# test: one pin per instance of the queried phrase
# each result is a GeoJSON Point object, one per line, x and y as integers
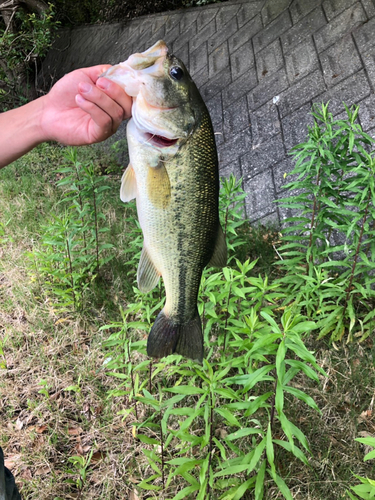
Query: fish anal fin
{"type": "Point", "coordinates": [168, 337]}
{"type": "Point", "coordinates": [219, 257]}
{"type": "Point", "coordinates": [128, 190]}
{"type": "Point", "coordinates": [147, 274]}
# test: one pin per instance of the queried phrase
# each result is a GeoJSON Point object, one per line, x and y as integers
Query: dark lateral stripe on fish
{"type": "Point", "coordinates": [167, 337]}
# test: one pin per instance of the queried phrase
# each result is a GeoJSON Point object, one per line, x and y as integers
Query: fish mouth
{"type": "Point", "coordinates": [159, 140]}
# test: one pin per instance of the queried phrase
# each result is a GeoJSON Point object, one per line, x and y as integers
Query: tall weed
{"type": "Point", "coordinates": [328, 250]}
{"type": "Point", "coordinates": [218, 430]}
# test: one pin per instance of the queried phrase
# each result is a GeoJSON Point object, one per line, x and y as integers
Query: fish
{"type": "Point", "coordinates": [173, 176]}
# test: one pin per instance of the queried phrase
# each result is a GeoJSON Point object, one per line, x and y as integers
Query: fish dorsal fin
{"type": "Point", "coordinates": [128, 189]}
{"type": "Point", "coordinates": [147, 274]}
{"type": "Point", "coordinates": [219, 257]}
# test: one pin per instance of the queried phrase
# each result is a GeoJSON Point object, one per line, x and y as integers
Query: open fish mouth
{"type": "Point", "coordinates": [159, 140]}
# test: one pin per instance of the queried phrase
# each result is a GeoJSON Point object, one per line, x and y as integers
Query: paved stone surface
{"type": "Point", "coordinates": [260, 65]}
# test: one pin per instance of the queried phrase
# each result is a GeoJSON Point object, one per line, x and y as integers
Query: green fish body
{"type": "Point", "coordinates": [173, 174]}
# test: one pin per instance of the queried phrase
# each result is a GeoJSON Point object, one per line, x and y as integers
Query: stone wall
{"type": "Point", "coordinates": [259, 66]}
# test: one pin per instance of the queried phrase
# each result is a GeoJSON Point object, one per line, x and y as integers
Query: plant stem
{"type": "Point", "coordinates": [313, 215]}
{"type": "Point", "coordinates": [162, 451]}
{"type": "Point", "coordinates": [70, 268]}
{"type": "Point", "coordinates": [210, 445]}
{"type": "Point", "coordinates": [96, 231]}
{"type": "Point", "coordinates": [356, 255]}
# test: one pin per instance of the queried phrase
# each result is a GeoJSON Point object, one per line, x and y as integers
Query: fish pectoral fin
{"type": "Point", "coordinates": [128, 189]}
{"type": "Point", "coordinates": [147, 274]}
{"type": "Point", "coordinates": [219, 257]}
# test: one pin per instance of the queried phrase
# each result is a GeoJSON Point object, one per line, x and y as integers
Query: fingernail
{"type": "Point", "coordinates": [85, 87]}
{"type": "Point", "coordinates": [103, 83]}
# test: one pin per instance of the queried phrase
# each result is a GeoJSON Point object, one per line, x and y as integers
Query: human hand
{"type": "Point", "coordinates": [82, 108]}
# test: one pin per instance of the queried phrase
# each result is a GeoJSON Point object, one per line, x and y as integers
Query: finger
{"type": "Point", "coordinates": [116, 93]}
{"type": "Point", "coordinates": [104, 102]}
{"type": "Point", "coordinates": [102, 123]}
{"type": "Point", "coordinates": [94, 72]}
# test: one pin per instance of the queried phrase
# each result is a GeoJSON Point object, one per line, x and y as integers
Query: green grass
{"type": "Point", "coordinates": [55, 384]}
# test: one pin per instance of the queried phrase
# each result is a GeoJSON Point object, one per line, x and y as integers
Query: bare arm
{"type": "Point", "coordinates": [80, 109]}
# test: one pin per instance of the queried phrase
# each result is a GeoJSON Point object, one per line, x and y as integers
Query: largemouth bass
{"type": "Point", "coordinates": [173, 175]}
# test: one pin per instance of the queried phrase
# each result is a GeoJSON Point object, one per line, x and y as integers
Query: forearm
{"type": "Point", "coordinates": [20, 131]}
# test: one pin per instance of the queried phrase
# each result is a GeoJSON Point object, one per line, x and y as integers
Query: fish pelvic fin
{"type": "Point", "coordinates": [147, 274]}
{"type": "Point", "coordinates": [128, 190]}
{"type": "Point", "coordinates": [219, 257]}
{"type": "Point", "coordinates": [167, 337]}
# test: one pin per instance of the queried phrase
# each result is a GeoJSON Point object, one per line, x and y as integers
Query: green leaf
{"type": "Point", "coordinates": [256, 455]}
{"type": "Point", "coordinates": [302, 396]}
{"type": "Point", "coordinates": [259, 484]}
{"type": "Point", "coordinates": [228, 415]}
{"type": "Point", "coordinates": [242, 433]}
{"type": "Point", "coordinates": [269, 448]}
{"type": "Point", "coordinates": [281, 484]}
{"type": "Point", "coordinates": [186, 492]}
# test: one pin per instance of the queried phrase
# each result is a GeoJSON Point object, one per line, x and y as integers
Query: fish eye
{"type": "Point", "coordinates": [176, 73]}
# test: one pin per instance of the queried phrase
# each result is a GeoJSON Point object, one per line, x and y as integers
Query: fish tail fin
{"type": "Point", "coordinates": [167, 337]}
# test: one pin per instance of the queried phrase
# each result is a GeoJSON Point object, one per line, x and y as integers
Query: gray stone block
{"type": "Point", "coordinates": [239, 87]}
{"type": "Point", "coordinates": [334, 7]}
{"type": "Point", "coordinates": [183, 54]}
{"type": "Point", "coordinates": [369, 6]}
{"type": "Point", "coordinates": [236, 147]}
{"type": "Point", "coordinates": [303, 29]}
{"type": "Point", "coordinates": [226, 14]}
{"type": "Point", "coordinates": [200, 80]}
{"type": "Point", "coordinates": [172, 35]}
{"type": "Point", "coordinates": [270, 87]}
{"type": "Point", "coordinates": [272, 31]}
{"type": "Point", "coordinates": [158, 23]}
{"type": "Point", "coordinates": [198, 59]}
{"type": "Point", "coordinates": [173, 20]}
{"type": "Point", "coordinates": [367, 113]}
{"type": "Point", "coordinates": [270, 220]}
{"type": "Point", "coordinates": [188, 19]}
{"type": "Point", "coordinates": [272, 10]}
{"type": "Point", "coordinates": [236, 118]}
{"type": "Point", "coordinates": [301, 8]}
{"type": "Point", "coordinates": [218, 132]}
{"type": "Point", "coordinates": [203, 35]}
{"type": "Point", "coordinates": [340, 61]}
{"type": "Point", "coordinates": [265, 123]}
{"type": "Point", "coordinates": [364, 36]}
{"type": "Point", "coordinates": [350, 91]}
{"type": "Point", "coordinates": [241, 60]}
{"type": "Point", "coordinates": [218, 60]}
{"type": "Point", "coordinates": [215, 108]}
{"type": "Point", "coordinates": [262, 156]}
{"type": "Point", "coordinates": [216, 84]}
{"type": "Point", "coordinates": [340, 26]}
{"type": "Point", "coordinates": [184, 38]}
{"type": "Point", "coordinates": [222, 34]}
{"type": "Point", "coordinates": [233, 167]}
{"type": "Point", "coordinates": [300, 93]}
{"type": "Point", "coordinates": [281, 175]}
{"type": "Point", "coordinates": [260, 195]}
{"type": "Point", "coordinates": [269, 60]}
{"type": "Point", "coordinates": [301, 60]}
{"type": "Point", "coordinates": [295, 126]}
{"type": "Point", "coordinates": [249, 10]}
{"type": "Point", "coordinates": [244, 34]}
{"type": "Point", "coordinates": [205, 17]}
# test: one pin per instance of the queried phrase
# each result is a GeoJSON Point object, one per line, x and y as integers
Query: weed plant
{"type": "Point", "coordinates": [239, 426]}
{"type": "Point", "coordinates": [218, 430]}
{"type": "Point", "coordinates": [74, 249]}
{"type": "Point", "coordinates": [328, 250]}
